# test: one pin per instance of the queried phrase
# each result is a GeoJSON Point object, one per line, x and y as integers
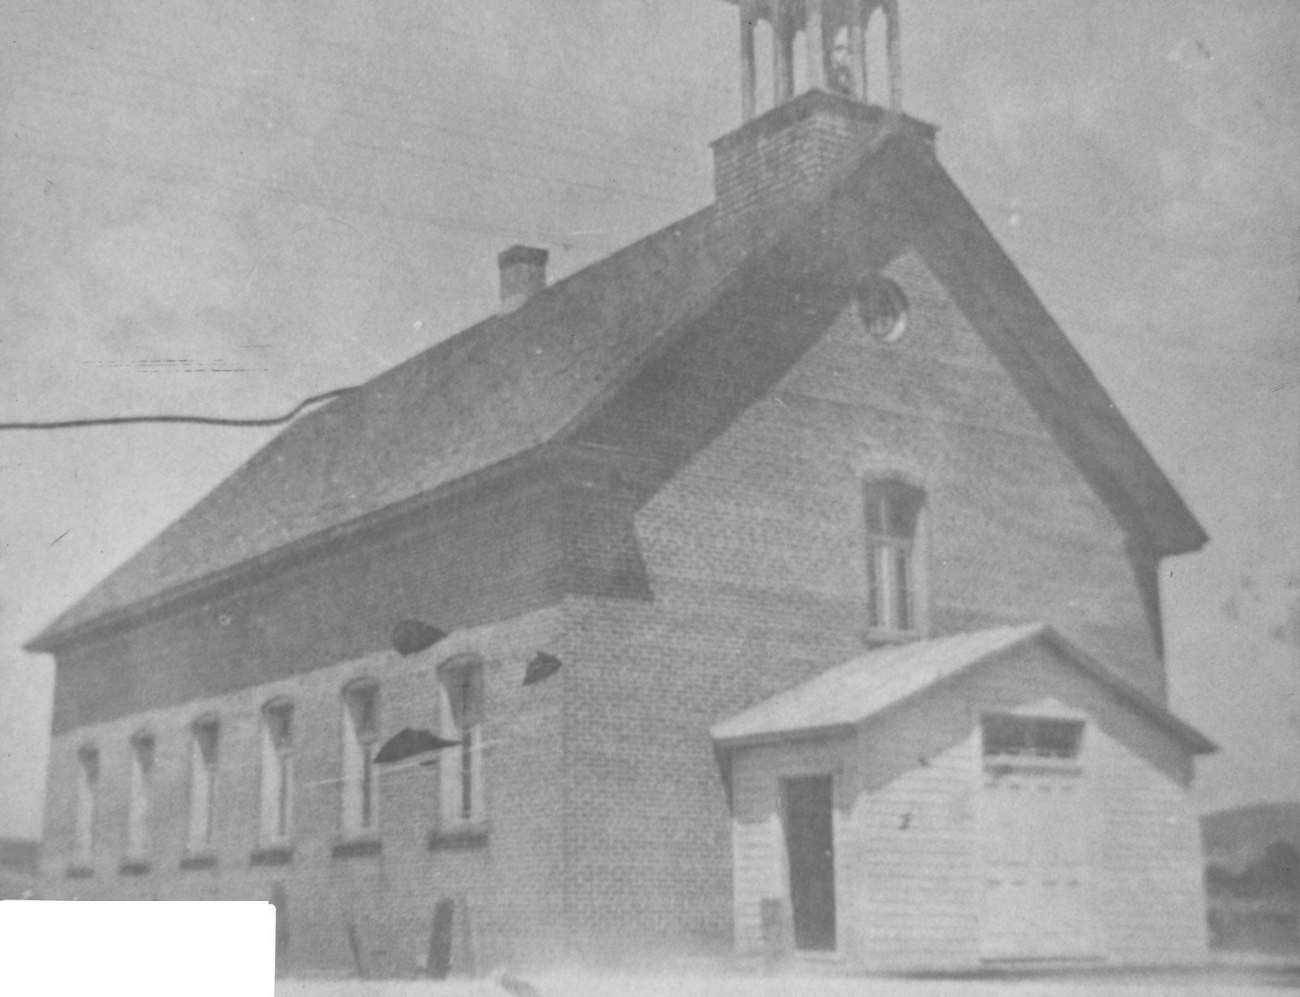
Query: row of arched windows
{"type": "Point", "coordinates": [460, 714]}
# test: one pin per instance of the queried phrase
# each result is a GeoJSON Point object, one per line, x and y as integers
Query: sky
{"type": "Point", "coordinates": [221, 208]}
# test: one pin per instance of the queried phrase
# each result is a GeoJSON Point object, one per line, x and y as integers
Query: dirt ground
{"type": "Point", "coordinates": [1238, 978]}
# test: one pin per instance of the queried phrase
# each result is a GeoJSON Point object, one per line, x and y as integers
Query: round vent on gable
{"type": "Point", "coordinates": [882, 307]}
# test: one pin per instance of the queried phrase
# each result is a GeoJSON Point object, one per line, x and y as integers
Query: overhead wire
{"type": "Point", "coordinates": [362, 208]}
{"type": "Point", "coordinates": [504, 138]}
{"type": "Point", "coordinates": [568, 125]}
{"type": "Point", "coordinates": [201, 420]}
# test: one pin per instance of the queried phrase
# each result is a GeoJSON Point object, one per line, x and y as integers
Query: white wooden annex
{"type": "Point", "coordinates": [989, 797]}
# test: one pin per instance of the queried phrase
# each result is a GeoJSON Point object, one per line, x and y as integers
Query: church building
{"type": "Point", "coordinates": [784, 584]}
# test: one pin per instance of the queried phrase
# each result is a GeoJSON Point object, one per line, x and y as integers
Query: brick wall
{"type": "Point", "coordinates": [513, 883]}
{"type": "Point", "coordinates": [476, 557]}
{"type": "Point", "coordinates": [780, 156]}
{"type": "Point", "coordinates": [696, 589]}
{"type": "Point", "coordinates": [754, 553]}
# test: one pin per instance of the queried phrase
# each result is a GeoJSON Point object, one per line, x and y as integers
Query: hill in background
{"type": "Point", "coordinates": [1252, 857]}
{"type": "Point", "coordinates": [1237, 838]}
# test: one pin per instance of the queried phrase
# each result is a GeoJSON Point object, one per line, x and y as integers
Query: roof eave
{"type": "Point", "coordinates": [857, 721]}
{"type": "Point", "coordinates": [731, 742]}
{"type": "Point", "coordinates": [1154, 511]}
{"type": "Point", "coordinates": [55, 638]}
{"type": "Point", "coordinates": [1191, 738]}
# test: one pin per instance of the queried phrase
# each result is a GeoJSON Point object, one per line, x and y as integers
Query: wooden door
{"type": "Point", "coordinates": [1036, 904]}
{"type": "Point", "coordinates": [810, 850]}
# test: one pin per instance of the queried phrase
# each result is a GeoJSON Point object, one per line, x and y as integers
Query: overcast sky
{"type": "Point", "coordinates": [223, 206]}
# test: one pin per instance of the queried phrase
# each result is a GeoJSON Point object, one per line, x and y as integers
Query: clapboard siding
{"type": "Point", "coordinates": [909, 792]}
{"type": "Point", "coordinates": [1144, 858]}
{"type": "Point", "coordinates": [916, 883]}
{"type": "Point", "coordinates": [759, 874]}
{"type": "Point", "coordinates": [758, 836]}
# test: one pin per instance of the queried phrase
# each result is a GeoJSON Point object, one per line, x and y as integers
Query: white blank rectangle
{"type": "Point", "coordinates": [144, 948]}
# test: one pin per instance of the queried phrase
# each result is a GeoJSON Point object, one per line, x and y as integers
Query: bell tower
{"type": "Point", "coordinates": [833, 35]}
{"type": "Point", "coordinates": [830, 101]}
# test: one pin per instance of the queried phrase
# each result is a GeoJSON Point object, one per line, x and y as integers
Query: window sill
{"type": "Point", "coordinates": [458, 838]}
{"type": "Point", "coordinates": [78, 872]}
{"type": "Point", "coordinates": [203, 861]}
{"type": "Point", "coordinates": [134, 867]}
{"type": "Point", "coordinates": [999, 765]}
{"type": "Point", "coordinates": [357, 848]}
{"type": "Point", "coordinates": [889, 638]}
{"type": "Point", "coordinates": [818, 955]}
{"type": "Point", "coordinates": [272, 855]}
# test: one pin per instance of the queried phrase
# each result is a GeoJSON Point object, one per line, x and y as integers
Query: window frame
{"type": "Point", "coordinates": [144, 747]}
{"type": "Point", "coordinates": [205, 748]}
{"type": "Point", "coordinates": [462, 694]}
{"type": "Point", "coordinates": [359, 790]}
{"type": "Point", "coordinates": [87, 803]}
{"type": "Point", "coordinates": [893, 519]}
{"type": "Point", "coordinates": [1034, 735]}
{"type": "Point", "coordinates": [277, 718]}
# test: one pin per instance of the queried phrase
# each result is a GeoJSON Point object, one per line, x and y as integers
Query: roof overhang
{"type": "Point", "coordinates": [653, 292]}
{"type": "Point", "coordinates": [838, 702]}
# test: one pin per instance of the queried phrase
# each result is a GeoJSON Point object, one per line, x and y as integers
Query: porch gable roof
{"type": "Point", "coordinates": [864, 687]}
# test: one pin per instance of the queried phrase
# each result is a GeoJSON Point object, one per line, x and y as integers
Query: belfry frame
{"type": "Point", "coordinates": [822, 22]}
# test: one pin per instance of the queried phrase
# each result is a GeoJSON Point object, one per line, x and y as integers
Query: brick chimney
{"type": "Point", "coordinates": [523, 274]}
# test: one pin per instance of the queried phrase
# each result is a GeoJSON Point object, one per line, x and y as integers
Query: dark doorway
{"type": "Point", "coordinates": [810, 845]}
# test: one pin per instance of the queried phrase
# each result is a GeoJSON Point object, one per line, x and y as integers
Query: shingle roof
{"type": "Point", "coordinates": [858, 690]}
{"type": "Point", "coordinates": [506, 386]}
{"type": "Point", "coordinates": [489, 393]}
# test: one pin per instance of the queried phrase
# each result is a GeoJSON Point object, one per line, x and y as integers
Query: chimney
{"type": "Point", "coordinates": [523, 274]}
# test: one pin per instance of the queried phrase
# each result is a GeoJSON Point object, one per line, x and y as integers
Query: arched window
{"type": "Point", "coordinates": [204, 734]}
{"type": "Point", "coordinates": [87, 798]}
{"type": "Point", "coordinates": [137, 826]}
{"type": "Point", "coordinates": [460, 682]}
{"type": "Point", "coordinates": [277, 772]}
{"type": "Point", "coordinates": [893, 510]}
{"type": "Point", "coordinates": [360, 740]}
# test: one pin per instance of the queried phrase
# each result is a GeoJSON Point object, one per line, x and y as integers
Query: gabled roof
{"type": "Point", "coordinates": [492, 392]}
{"type": "Point", "coordinates": [502, 389]}
{"type": "Point", "coordinates": [843, 697]}
{"type": "Point", "coordinates": [1056, 381]}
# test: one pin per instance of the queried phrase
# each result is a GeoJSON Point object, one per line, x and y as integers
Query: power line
{"type": "Point", "coordinates": [201, 420]}
{"type": "Point", "coordinates": [443, 129]}
{"type": "Point", "coordinates": [285, 194]}
{"type": "Point", "coordinates": [690, 86]}
{"type": "Point", "coordinates": [375, 92]}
